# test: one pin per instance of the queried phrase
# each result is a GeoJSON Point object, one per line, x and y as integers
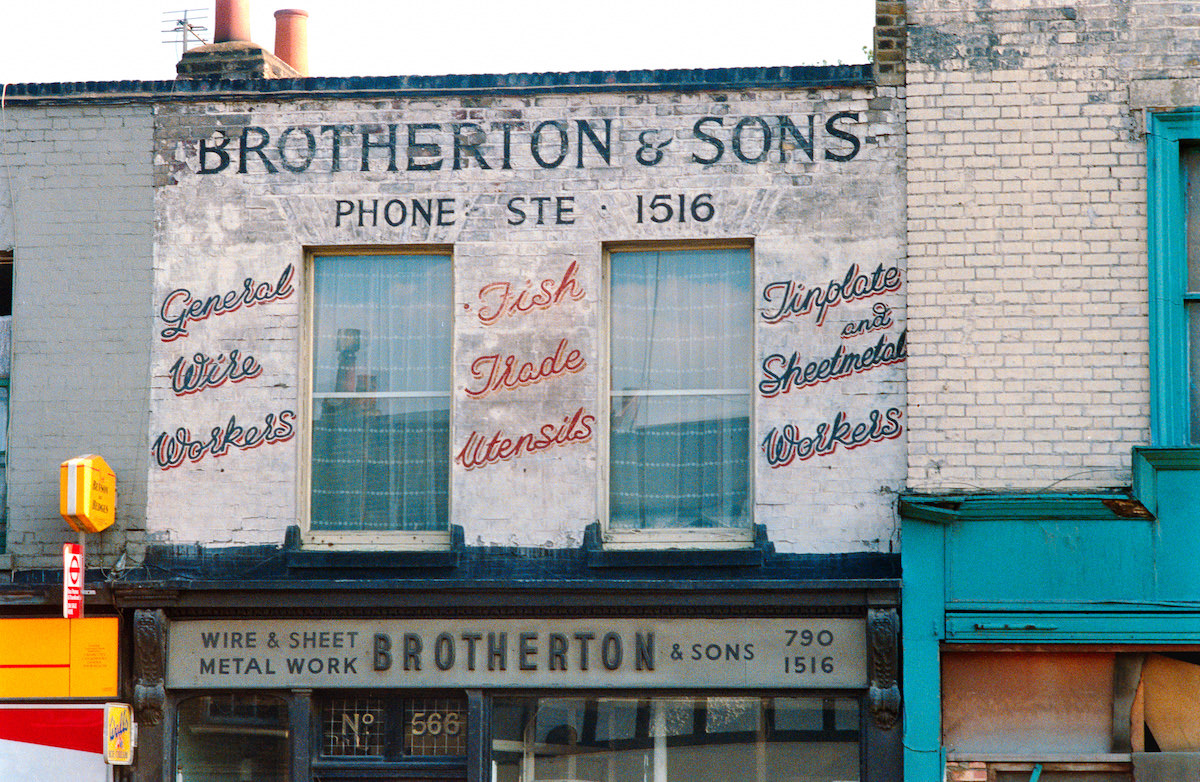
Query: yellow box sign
{"type": "Point", "coordinates": [118, 734]}
{"type": "Point", "coordinates": [87, 493]}
{"type": "Point", "coordinates": [58, 658]}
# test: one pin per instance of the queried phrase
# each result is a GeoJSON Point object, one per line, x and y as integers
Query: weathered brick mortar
{"type": "Point", "coordinates": [1027, 239]}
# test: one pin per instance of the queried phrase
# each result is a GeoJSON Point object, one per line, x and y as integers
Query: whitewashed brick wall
{"type": "Point", "coordinates": [1027, 238]}
{"type": "Point", "coordinates": [76, 208]}
{"type": "Point", "coordinates": [809, 221]}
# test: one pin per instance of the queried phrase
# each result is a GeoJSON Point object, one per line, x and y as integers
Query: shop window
{"type": "Point", "coordinates": [392, 728]}
{"type": "Point", "coordinates": [680, 348]}
{"type": "Point", "coordinates": [381, 353]}
{"type": "Point", "coordinates": [680, 739]}
{"type": "Point", "coordinates": [1174, 247]}
{"type": "Point", "coordinates": [242, 737]}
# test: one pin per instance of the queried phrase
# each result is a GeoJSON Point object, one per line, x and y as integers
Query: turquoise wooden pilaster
{"type": "Point", "coordinates": [923, 599]}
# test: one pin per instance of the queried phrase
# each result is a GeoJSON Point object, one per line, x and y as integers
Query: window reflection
{"type": "Point", "coordinates": [232, 738]}
{"type": "Point", "coordinates": [675, 739]}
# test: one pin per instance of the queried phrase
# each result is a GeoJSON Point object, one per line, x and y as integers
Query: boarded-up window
{"type": "Point", "coordinates": [1007, 703]}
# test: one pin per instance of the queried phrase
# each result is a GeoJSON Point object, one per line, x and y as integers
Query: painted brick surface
{"type": "Point", "coordinates": [809, 221]}
{"type": "Point", "coordinates": [1027, 238]}
{"type": "Point", "coordinates": [76, 207]}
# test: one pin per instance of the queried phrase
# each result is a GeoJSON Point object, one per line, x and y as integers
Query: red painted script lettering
{"type": "Point", "coordinates": [481, 450]}
{"type": "Point", "coordinates": [503, 372]}
{"type": "Point", "coordinates": [501, 298]}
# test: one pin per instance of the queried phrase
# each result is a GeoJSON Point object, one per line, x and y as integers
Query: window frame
{"type": "Point", "coordinates": [675, 538]}
{"type": "Point", "coordinates": [1170, 404]}
{"type": "Point", "coordinates": [366, 539]}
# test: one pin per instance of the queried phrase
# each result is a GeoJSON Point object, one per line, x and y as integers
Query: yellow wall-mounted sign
{"type": "Point", "coordinates": [118, 734]}
{"type": "Point", "coordinates": [58, 658]}
{"type": "Point", "coordinates": [87, 493]}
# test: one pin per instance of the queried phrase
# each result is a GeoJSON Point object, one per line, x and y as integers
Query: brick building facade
{"type": "Point", "coordinates": [526, 426]}
{"type": "Point", "coordinates": [427, 376]}
{"type": "Point", "coordinates": [1049, 601]}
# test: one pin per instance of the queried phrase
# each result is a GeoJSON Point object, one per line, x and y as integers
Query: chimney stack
{"type": "Point", "coordinates": [232, 21]}
{"type": "Point", "coordinates": [291, 38]}
{"type": "Point", "coordinates": [232, 55]}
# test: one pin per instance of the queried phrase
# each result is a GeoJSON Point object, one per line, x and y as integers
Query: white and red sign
{"type": "Point", "coordinates": [41, 741]}
{"type": "Point", "coordinates": [72, 580]}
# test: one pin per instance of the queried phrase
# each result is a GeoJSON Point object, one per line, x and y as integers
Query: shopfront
{"type": "Point", "coordinates": [692, 682]}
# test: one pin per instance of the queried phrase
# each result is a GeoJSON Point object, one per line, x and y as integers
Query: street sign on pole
{"type": "Point", "coordinates": [72, 581]}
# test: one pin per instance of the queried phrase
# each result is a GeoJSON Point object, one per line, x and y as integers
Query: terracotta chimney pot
{"type": "Point", "coordinates": [291, 38]}
{"type": "Point", "coordinates": [232, 21]}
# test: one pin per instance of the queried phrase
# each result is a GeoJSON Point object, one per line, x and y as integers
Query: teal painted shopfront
{"type": "Point", "coordinates": [1056, 636]}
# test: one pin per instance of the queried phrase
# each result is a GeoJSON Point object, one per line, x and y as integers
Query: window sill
{"type": "Point", "coordinates": [676, 550]}
{"type": "Point", "coordinates": [375, 551]}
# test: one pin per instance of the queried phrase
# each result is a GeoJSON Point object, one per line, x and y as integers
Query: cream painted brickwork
{"type": "Point", "coordinates": [809, 221]}
{"type": "Point", "coordinates": [76, 208]}
{"type": "Point", "coordinates": [1027, 238]}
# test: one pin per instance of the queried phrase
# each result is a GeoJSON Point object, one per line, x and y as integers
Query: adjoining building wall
{"type": "Point", "coordinates": [1027, 238]}
{"type": "Point", "coordinates": [1049, 300]}
{"type": "Point", "coordinates": [76, 198]}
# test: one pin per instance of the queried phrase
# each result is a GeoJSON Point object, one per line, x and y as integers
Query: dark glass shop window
{"type": "Point", "coordinates": [675, 739]}
{"type": "Point", "coordinates": [234, 737]}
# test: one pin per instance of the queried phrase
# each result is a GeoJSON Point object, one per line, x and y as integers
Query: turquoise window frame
{"type": "Point", "coordinates": [1170, 405]}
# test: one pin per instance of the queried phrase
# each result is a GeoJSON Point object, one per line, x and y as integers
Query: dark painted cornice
{"type": "Point", "coordinates": [482, 85]}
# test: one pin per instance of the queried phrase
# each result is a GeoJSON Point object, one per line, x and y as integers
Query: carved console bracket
{"type": "Point", "coordinates": [883, 697]}
{"type": "Point", "coordinates": [150, 655]}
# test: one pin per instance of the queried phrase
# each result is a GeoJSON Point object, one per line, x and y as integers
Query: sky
{"type": "Point", "coordinates": [110, 40]}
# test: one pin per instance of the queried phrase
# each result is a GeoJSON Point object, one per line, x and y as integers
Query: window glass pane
{"type": "Point", "coordinates": [681, 319]}
{"type": "Point", "coordinates": [435, 727]}
{"type": "Point", "coordinates": [394, 728]}
{"type": "Point", "coordinates": [670, 740]}
{"type": "Point", "coordinates": [679, 462]}
{"type": "Point", "coordinates": [1189, 155]}
{"type": "Point", "coordinates": [381, 386]}
{"type": "Point", "coordinates": [681, 342]}
{"type": "Point", "coordinates": [232, 738]}
{"type": "Point", "coordinates": [353, 727]}
{"type": "Point", "coordinates": [1194, 369]}
{"type": "Point", "coordinates": [1189, 158]}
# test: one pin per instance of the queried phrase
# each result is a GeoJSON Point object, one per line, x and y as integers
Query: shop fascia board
{"type": "Point", "coordinates": [503, 597]}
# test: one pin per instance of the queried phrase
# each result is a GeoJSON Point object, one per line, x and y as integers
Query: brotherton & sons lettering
{"type": "Point", "coordinates": [549, 144]}
{"type": "Point", "coordinates": [746, 652]}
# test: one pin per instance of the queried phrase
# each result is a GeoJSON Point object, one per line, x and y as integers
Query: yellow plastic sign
{"type": "Point", "coordinates": [118, 734]}
{"type": "Point", "coordinates": [87, 493]}
{"type": "Point", "coordinates": [59, 658]}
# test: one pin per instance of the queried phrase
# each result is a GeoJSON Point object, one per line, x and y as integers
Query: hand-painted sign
{"type": "Point", "coordinates": [736, 652]}
{"type": "Point", "coordinates": [550, 144]}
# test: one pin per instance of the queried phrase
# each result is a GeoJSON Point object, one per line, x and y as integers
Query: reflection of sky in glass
{"type": "Point", "coordinates": [1194, 382]}
{"type": "Point", "coordinates": [384, 320]}
{"type": "Point", "coordinates": [683, 739]}
{"type": "Point", "coordinates": [733, 715]}
{"type": "Point", "coordinates": [1190, 156]}
{"type": "Point", "coordinates": [681, 319]}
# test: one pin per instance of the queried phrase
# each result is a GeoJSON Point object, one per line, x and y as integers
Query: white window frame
{"type": "Point", "coordinates": [679, 538]}
{"type": "Point", "coordinates": [366, 540]}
